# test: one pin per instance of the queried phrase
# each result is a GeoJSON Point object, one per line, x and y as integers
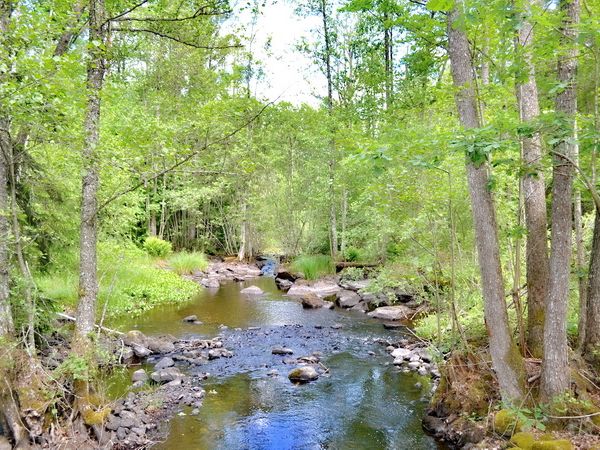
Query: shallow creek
{"type": "Point", "coordinates": [363, 402]}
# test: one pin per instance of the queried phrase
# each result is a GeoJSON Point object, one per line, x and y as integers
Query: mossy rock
{"type": "Point", "coordinates": [561, 444]}
{"type": "Point", "coordinates": [95, 417]}
{"type": "Point", "coordinates": [506, 422]}
{"type": "Point", "coordinates": [523, 440]}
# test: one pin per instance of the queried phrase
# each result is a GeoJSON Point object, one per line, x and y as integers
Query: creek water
{"type": "Point", "coordinates": [363, 402]}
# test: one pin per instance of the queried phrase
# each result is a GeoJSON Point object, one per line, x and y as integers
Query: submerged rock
{"type": "Point", "coordinates": [311, 301]}
{"type": "Point", "coordinates": [252, 290]}
{"type": "Point", "coordinates": [283, 285]}
{"type": "Point", "coordinates": [192, 318]}
{"type": "Point", "coordinates": [303, 374]}
{"type": "Point", "coordinates": [210, 283]}
{"type": "Point", "coordinates": [398, 312]}
{"type": "Point", "coordinates": [216, 353]}
{"type": "Point", "coordinates": [282, 351]}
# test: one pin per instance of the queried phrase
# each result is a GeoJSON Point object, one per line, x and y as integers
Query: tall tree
{"type": "Point", "coordinates": [506, 359]}
{"type": "Point", "coordinates": [534, 187]}
{"type": "Point", "coordinates": [555, 378]}
{"type": "Point", "coordinates": [96, 69]}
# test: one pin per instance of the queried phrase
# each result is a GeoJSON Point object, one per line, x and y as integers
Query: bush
{"type": "Point", "coordinates": [157, 247]}
{"type": "Point", "coordinates": [313, 266]}
{"type": "Point", "coordinates": [352, 254]}
{"type": "Point", "coordinates": [187, 263]}
{"type": "Point", "coordinates": [353, 274]}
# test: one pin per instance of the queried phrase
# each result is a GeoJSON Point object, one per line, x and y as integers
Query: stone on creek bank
{"type": "Point", "coordinates": [166, 375]}
{"type": "Point", "coordinates": [303, 374]}
{"type": "Point", "coordinates": [139, 375]}
{"type": "Point", "coordinates": [252, 290]}
{"type": "Point", "coordinates": [164, 363]}
{"type": "Point", "coordinates": [143, 345]}
{"type": "Point", "coordinates": [283, 285]}
{"type": "Point", "coordinates": [347, 299]}
{"type": "Point", "coordinates": [398, 312]}
{"type": "Point", "coordinates": [326, 290]}
{"type": "Point", "coordinates": [355, 285]}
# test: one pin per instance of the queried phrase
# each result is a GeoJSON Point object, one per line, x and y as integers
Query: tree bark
{"type": "Point", "coordinates": [333, 238]}
{"type": "Point", "coordinates": [534, 193]}
{"type": "Point", "coordinates": [589, 312]}
{"type": "Point", "coordinates": [88, 282]}
{"type": "Point", "coordinates": [555, 379]}
{"type": "Point", "coordinates": [506, 359]}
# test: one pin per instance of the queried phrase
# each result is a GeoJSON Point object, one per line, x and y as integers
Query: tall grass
{"type": "Point", "coordinates": [187, 263]}
{"type": "Point", "coordinates": [130, 282]}
{"type": "Point", "coordinates": [313, 266]}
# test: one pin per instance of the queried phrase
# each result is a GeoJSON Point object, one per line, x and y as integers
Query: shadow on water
{"type": "Point", "coordinates": [362, 403]}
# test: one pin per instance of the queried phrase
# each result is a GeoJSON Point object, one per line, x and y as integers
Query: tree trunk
{"type": "Point", "coordinates": [506, 360]}
{"type": "Point", "coordinates": [6, 320]}
{"type": "Point", "coordinates": [589, 312]}
{"type": "Point", "coordinates": [534, 193]}
{"type": "Point", "coordinates": [243, 232]}
{"type": "Point", "coordinates": [88, 282]}
{"type": "Point", "coordinates": [333, 238]}
{"type": "Point", "coordinates": [555, 379]}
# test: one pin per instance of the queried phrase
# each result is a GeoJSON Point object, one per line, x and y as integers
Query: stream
{"type": "Point", "coordinates": [362, 402]}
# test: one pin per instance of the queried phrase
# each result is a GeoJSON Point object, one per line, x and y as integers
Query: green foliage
{"type": "Point", "coordinates": [76, 368]}
{"type": "Point", "coordinates": [352, 254]}
{"type": "Point", "coordinates": [352, 274]}
{"type": "Point", "coordinates": [130, 282]}
{"type": "Point", "coordinates": [185, 263]}
{"type": "Point", "coordinates": [157, 247]}
{"type": "Point", "coordinates": [313, 267]}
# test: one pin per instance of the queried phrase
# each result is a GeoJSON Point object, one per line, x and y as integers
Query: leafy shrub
{"type": "Point", "coordinates": [157, 247]}
{"type": "Point", "coordinates": [187, 263]}
{"type": "Point", "coordinates": [353, 274]}
{"type": "Point", "coordinates": [352, 254]}
{"type": "Point", "coordinates": [313, 266]}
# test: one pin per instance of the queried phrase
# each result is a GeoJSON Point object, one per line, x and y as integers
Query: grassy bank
{"type": "Point", "coordinates": [131, 281]}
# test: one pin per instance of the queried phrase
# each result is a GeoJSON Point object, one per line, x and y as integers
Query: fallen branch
{"type": "Point", "coordinates": [108, 330]}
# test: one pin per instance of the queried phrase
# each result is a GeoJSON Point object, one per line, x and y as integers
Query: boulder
{"type": "Point", "coordinates": [252, 290]}
{"type": "Point", "coordinates": [164, 363]}
{"type": "Point", "coordinates": [192, 318]}
{"type": "Point", "coordinates": [392, 325]}
{"type": "Point", "coordinates": [283, 284]}
{"type": "Point", "coordinates": [127, 354]}
{"type": "Point", "coordinates": [135, 337]}
{"type": "Point", "coordinates": [140, 351]}
{"type": "Point", "coordinates": [160, 345]}
{"type": "Point", "coordinates": [139, 375]}
{"type": "Point", "coordinates": [398, 312]}
{"type": "Point", "coordinates": [283, 274]}
{"type": "Point", "coordinates": [216, 353]}
{"type": "Point", "coordinates": [401, 353]}
{"type": "Point", "coordinates": [355, 285]}
{"type": "Point", "coordinates": [166, 375]}
{"type": "Point", "coordinates": [300, 290]}
{"type": "Point", "coordinates": [311, 301]}
{"type": "Point", "coordinates": [327, 290]}
{"type": "Point", "coordinates": [210, 283]}
{"type": "Point", "coordinates": [303, 374]}
{"type": "Point", "coordinates": [347, 299]}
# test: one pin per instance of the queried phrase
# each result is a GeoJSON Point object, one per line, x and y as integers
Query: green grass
{"type": "Point", "coordinates": [187, 263]}
{"type": "Point", "coordinates": [130, 281]}
{"type": "Point", "coordinates": [313, 266]}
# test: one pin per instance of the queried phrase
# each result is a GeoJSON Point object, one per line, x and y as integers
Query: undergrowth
{"type": "Point", "coordinates": [313, 266]}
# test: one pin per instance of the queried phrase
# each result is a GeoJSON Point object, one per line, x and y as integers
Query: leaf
{"type": "Point", "coordinates": [440, 5]}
